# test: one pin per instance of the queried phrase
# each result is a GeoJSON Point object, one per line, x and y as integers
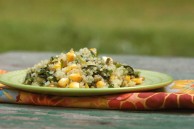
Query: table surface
{"type": "Point", "coordinates": [43, 117]}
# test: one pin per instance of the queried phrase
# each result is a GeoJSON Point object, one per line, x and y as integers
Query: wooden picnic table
{"type": "Point", "coordinates": [44, 117]}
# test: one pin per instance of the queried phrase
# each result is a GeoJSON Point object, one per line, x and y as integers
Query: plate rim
{"type": "Point", "coordinates": [35, 88]}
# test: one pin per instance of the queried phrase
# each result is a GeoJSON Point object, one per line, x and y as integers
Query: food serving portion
{"type": "Point", "coordinates": [82, 69]}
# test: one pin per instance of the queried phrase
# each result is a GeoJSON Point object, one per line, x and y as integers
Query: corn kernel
{"type": "Point", "coordinates": [63, 82]}
{"type": "Point", "coordinates": [70, 56]}
{"type": "Point", "coordinates": [69, 68]}
{"type": "Point", "coordinates": [76, 77]}
{"type": "Point", "coordinates": [127, 78]}
{"type": "Point", "coordinates": [73, 66]}
{"type": "Point", "coordinates": [74, 85]}
{"type": "Point", "coordinates": [137, 80]}
{"type": "Point", "coordinates": [100, 84]}
{"type": "Point", "coordinates": [57, 65]}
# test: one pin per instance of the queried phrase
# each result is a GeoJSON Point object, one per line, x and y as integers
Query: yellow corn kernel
{"type": "Point", "coordinates": [137, 80]}
{"type": "Point", "coordinates": [69, 68]}
{"type": "Point", "coordinates": [63, 82]}
{"type": "Point", "coordinates": [70, 56]}
{"type": "Point", "coordinates": [127, 78]}
{"type": "Point", "coordinates": [73, 66]}
{"type": "Point", "coordinates": [76, 77]}
{"type": "Point", "coordinates": [100, 84]}
{"type": "Point", "coordinates": [74, 85]}
{"type": "Point", "coordinates": [57, 65]}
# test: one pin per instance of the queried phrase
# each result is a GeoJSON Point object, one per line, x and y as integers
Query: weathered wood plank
{"type": "Point", "coordinates": [26, 116]}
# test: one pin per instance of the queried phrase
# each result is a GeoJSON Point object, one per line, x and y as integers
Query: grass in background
{"type": "Point", "coordinates": [152, 27]}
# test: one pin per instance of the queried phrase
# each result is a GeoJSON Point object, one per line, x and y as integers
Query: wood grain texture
{"type": "Point", "coordinates": [26, 116]}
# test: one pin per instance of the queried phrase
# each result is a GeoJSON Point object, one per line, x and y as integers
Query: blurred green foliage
{"type": "Point", "coordinates": [141, 27]}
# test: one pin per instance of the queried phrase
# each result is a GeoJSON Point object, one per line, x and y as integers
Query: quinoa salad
{"type": "Point", "coordinates": [82, 69]}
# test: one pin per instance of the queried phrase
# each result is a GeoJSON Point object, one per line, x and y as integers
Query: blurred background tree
{"type": "Point", "coordinates": [140, 27]}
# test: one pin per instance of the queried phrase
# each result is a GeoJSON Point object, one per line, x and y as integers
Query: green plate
{"type": "Point", "coordinates": [153, 80]}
